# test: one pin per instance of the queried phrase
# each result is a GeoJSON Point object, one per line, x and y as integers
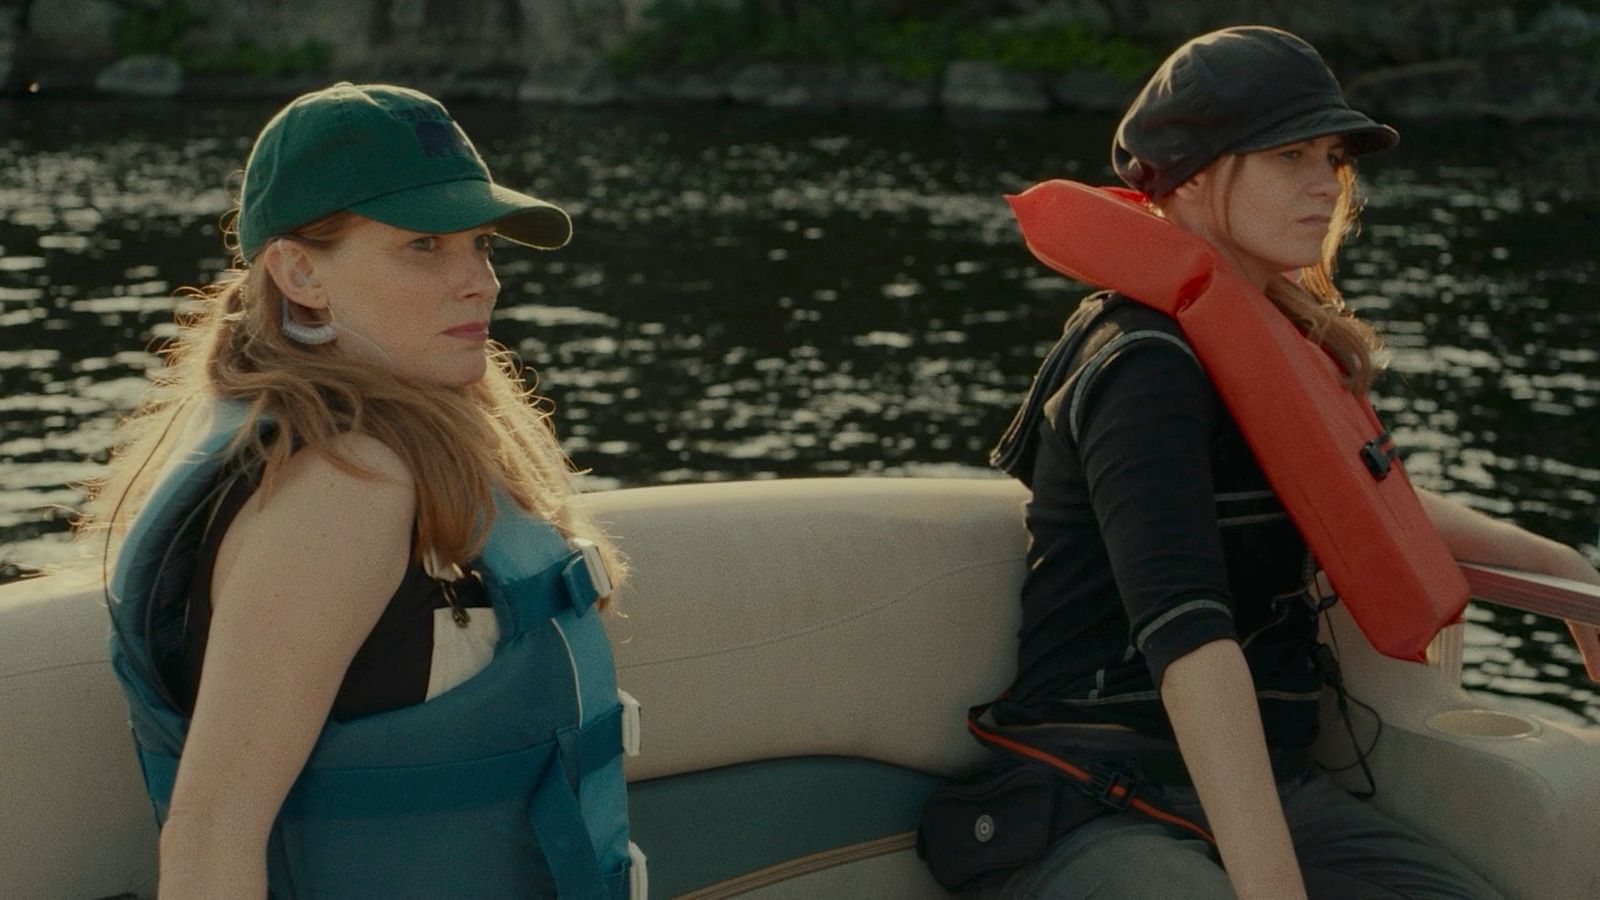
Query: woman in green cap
{"type": "Point", "coordinates": [353, 606]}
{"type": "Point", "coordinates": [1168, 631]}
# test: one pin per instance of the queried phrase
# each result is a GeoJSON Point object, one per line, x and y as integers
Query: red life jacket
{"type": "Point", "coordinates": [1323, 449]}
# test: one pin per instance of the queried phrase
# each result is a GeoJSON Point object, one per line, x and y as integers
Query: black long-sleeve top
{"type": "Point", "coordinates": [1153, 531]}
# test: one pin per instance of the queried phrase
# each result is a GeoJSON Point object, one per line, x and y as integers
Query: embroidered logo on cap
{"type": "Point", "coordinates": [436, 132]}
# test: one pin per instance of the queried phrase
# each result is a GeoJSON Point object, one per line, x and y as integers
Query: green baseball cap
{"type": "Point", "coordinates": [385, 152]}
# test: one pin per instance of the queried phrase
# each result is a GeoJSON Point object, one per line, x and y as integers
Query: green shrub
{"type": "Point", "coordinates": [153, 30]}
{"type": "Point", "coordinates": [700, 34]}
{"type": "Point", "coordinates": [309, 55]}
{"type": "Point", "coordinates": [162, 29]}
{"type": "Point", "coordinates": [1055, 47]}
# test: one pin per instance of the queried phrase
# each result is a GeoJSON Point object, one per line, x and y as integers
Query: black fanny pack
{"type": "Point", "coordinates": [1041, 783]}
{"type": "Point", "coordinates": [983, 827]}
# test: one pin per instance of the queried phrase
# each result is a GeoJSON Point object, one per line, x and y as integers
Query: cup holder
{"type": "Point", "coordinates": [1490, 724]}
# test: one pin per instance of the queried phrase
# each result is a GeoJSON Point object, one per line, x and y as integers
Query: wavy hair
{"type": "Point", "coordinates": [459, 443]}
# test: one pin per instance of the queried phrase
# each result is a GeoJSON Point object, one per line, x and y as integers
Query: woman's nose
{"type": "Point", "coordinates": [1327, 181]}
{"type": "Point", "coordinates": [479, 280]}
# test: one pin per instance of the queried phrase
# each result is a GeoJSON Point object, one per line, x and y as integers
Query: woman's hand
{"type": "Point", "coordinates": [301, 578]}
{"type": "Point", "coordinates": [1211, 701]}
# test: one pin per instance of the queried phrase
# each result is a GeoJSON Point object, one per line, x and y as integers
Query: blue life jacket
{"type": "Point", "coordinates": [508, 785]}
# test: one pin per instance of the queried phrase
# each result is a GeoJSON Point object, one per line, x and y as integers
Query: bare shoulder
{"type": "Point", "coordinates": [313, 482]}
{"type": "Point", "coordinates": [316, 502]}
{"type": "Point", "coordinates": [323, 525]}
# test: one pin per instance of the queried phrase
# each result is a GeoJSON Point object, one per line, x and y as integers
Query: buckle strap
{"type": "Point", "coordinates": [563, 836]}
{"type": "Point", "coordinates": [581, 590]}
{"type": "Point", "coordinates": [1107, 784]}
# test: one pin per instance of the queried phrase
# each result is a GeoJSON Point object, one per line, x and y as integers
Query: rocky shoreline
{"type": "Point", "coordinates": [1513, 88]}
{"type": "Point", "coordinates": [1547, 70]}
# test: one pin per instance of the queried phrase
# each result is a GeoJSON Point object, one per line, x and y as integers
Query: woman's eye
{"type": "Point", "coordinates": [425, 243]}
{"type": "Point", "coordinates": [1289, 154]}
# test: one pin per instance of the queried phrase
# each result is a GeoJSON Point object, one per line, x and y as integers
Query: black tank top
{"type": "Point", "coordinates": [393, 666]}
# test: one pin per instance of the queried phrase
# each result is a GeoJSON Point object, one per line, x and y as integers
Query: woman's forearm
{"type": "Point", "coordinates": [203, 859]}
{"type": "Point", "coordinates": [1472, 536]}
{"type": "Point", "coordinates": [1210, 699]}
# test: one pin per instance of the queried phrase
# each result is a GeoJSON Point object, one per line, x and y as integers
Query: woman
{"type": "Point", "coordinates": [354, 596]}
{"type": "Point", "coordinates": [1167, 630]}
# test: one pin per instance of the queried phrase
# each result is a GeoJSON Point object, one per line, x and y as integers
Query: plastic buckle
{"type": "Point", "coordinates": [1379, 455]}
{"type": "Point", "coordinates": [1110, 786]}
{"type": "Point", "coordinates": [630, 723]}
{"type": "Point", "coordinates": [595, 564]}
{"type": "Point", "coordinates": [638, 874]}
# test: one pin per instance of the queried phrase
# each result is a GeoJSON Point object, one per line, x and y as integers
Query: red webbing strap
{"type": "Point", "coordinates": [1115, 790]}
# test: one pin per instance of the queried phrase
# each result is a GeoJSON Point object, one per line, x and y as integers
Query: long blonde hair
{"type": "Point", "coordinates": [1314, 303]}
{"type": "Point", "coordinates": [459, 443]}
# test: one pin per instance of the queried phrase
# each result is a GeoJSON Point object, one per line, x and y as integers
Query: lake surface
{"type": "Point", "coordinates": [758, 295]}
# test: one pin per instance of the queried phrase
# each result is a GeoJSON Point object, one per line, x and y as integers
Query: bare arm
{"type": "Point", "coordinates": [1210, 699]}
{"type": "Point", "coordinates": [1475, 537]}
{"type": "Point", "coordinates": [307, 575]}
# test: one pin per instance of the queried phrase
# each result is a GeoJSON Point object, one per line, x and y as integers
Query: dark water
{"type": "Point", "coordinates": [758, 295]}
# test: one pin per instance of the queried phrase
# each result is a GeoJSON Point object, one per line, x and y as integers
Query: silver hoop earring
{"type": "Point", "coordinates": [306, 334]}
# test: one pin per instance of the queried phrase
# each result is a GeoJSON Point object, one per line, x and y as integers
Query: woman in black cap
{"type": "Point", "coordinates": [354, 608]}
{"type": "Point", "coordinates": [1166, 617]}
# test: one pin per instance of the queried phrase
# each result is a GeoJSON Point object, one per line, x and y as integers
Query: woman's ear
{"type": "Point", "coordinates": [1194, 188]}
{"type": "Point", "coordinates": [293, 270]}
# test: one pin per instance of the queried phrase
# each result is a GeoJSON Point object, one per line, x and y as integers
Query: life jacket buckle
{"type": "Point", "coordinates": [630, 723]}
{"type": "Point", "coordinates": [595, 564]}
{"type": "Point", "coordinates": [1379, 455]}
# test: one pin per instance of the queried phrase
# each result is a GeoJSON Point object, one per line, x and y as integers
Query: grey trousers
{"type": "Point", "coordinates": [1347, 851]}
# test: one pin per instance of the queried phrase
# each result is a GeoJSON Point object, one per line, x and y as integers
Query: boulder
{"type": "Point", "coordinates": [582, 83]}
{"type": "Point", "coordinates": [754, 84]}
{"type": "Point", "coordinates": [812, 87]}
{"type": "Point", "coordinates": [141, 76]}
{"type": "Point", "coordinates": [1512, 86]}
{"type": "Point", "coordinates": [982, 86]}
{"type": "Point", "coordinates": [875, 88]}
{"type": "Point", "coordinates": [694, 87]}
{"type": "Point", "coordinates": [1091, 90]}
{"type": "Point", "coordinates": [66, 31]}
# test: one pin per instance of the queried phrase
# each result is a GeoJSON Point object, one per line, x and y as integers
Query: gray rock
{"type": "Point", "coordinates": [1090, 90]}
{"type": "Point", "coordinates": [141, 76]}
{"type": "Point", "coordinates": [587, 83]}
{"type": "Point", "coordinates": [8, 50]}
{"type": "Point", "coordinates": [695, 87]}
{"type": "Point", "coordinates": [64, 31]}
{"type": "Point", "coordinates": [1562, 25]}
{"type": "Point", "coordinates": [989, 87]}
{"type": "Point", "coordinates": [812, 87]}
{"type": "Point", "coordinates": [874, 88]}
{"type": "Point", "coordinates": [1516, 87]}
{"type": "Point", "coordinates": [756, 83]}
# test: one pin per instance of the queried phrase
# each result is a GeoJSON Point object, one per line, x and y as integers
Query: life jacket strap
{"type": "Point", "coordinates": [413, 789]}
{"type": "Point", "coordinates": [558, 823]}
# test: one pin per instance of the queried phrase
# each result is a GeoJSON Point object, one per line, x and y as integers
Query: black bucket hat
{"type": "Point", "coordinates": [1237, 90]}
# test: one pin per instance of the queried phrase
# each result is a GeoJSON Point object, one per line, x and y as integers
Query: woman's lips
{"type": "Point", "coordinates": [476, 331]}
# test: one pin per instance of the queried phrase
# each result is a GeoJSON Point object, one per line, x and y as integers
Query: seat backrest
{"type": "Point", "coordinates": [812, 617]}
{"type": "Point", "coordinates": [848, 617]}
{"type": "Point", "coordinates": [75, 822]}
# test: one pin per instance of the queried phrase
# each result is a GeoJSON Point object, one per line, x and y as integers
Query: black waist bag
{"type": "Point", "coordinates": [1042, 782]}
{"type": "Point", "coordinates": [1005, 815]}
